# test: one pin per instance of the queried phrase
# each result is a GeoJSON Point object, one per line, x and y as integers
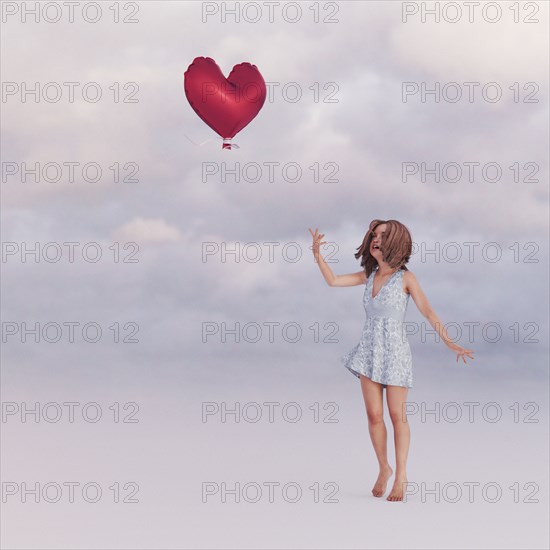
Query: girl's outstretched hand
{"type": "Point", "coordinates": [316, 241]}
{"type": "Point", "coordinates": [460, 351]}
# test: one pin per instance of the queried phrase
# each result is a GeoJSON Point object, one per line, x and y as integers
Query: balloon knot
{"type": "Point", "coordinates": [228, 145]}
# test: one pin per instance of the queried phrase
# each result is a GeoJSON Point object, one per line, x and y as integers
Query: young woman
{"type": "Point", "coordinates": [382, 358]}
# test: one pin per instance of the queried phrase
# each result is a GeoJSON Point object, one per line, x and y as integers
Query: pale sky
{"type": "Point", "coordinates": [172, 214]}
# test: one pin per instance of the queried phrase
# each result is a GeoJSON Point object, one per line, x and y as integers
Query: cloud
{"type": "Point", "coordinates": [366, 134]}
{"type": "Point", "coordinates": [147, 231]}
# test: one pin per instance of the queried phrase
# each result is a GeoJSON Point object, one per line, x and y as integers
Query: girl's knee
{"type": "Point", "coordinates": [375, 416]}
{"type": "Point", "coordinates": [398, 415]}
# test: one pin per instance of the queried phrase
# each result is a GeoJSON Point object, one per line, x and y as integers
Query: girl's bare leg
{"type": "Point", "coordinates": [397, 397]}
{"type": "Point", "coordinates": [372, 394]}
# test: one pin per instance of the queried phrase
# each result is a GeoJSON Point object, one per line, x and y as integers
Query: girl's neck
{"type": "Point", "coordinates": [385, 269]}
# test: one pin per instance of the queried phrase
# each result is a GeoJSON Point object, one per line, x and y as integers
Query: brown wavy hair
{"type": "Point", "coordinates": [396, 246]}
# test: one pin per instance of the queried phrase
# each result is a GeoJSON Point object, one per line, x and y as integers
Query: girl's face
{"type": "Point", "coordinates": [377, 233]}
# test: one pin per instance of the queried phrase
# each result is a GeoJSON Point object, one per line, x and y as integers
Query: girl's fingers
{"type": "Point", "coordinates": [464, 352]}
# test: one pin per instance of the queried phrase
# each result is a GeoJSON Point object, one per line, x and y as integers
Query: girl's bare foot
{"type": "Point", "coordinates": [398, 488]}
{"type": "Point", "coordinates": [380, 486]}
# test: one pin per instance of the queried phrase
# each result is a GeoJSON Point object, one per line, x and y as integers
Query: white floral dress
{"type": "Point", "coordinates": [383, 353]}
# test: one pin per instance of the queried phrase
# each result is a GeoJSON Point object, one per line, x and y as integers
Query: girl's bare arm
{"type": "Point", "coordinates": [423, 305]}
{"type": "Point", "coordinates": [350, 279]}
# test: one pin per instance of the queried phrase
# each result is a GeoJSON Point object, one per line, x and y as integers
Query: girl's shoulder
{"type": "Point", "coordinates": [409, 280]}
{"type": "Point", "coordinates": [403, 279]}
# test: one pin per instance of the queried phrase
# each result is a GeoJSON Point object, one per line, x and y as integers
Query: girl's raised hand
{"type": "Point", "coordinates": [316, 241]}
{"type": "Point", "coordinates": [461, 352]}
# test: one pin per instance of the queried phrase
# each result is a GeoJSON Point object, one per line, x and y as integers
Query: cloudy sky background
{"type": "Point", "coordinates": [171, 291]}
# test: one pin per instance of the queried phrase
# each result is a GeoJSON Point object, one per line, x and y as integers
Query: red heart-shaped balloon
{"type": "Point", "coordinates": [227, 105]}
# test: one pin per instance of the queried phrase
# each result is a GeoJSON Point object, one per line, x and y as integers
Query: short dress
{"type": "Point", "coordinates": [383, 353]}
